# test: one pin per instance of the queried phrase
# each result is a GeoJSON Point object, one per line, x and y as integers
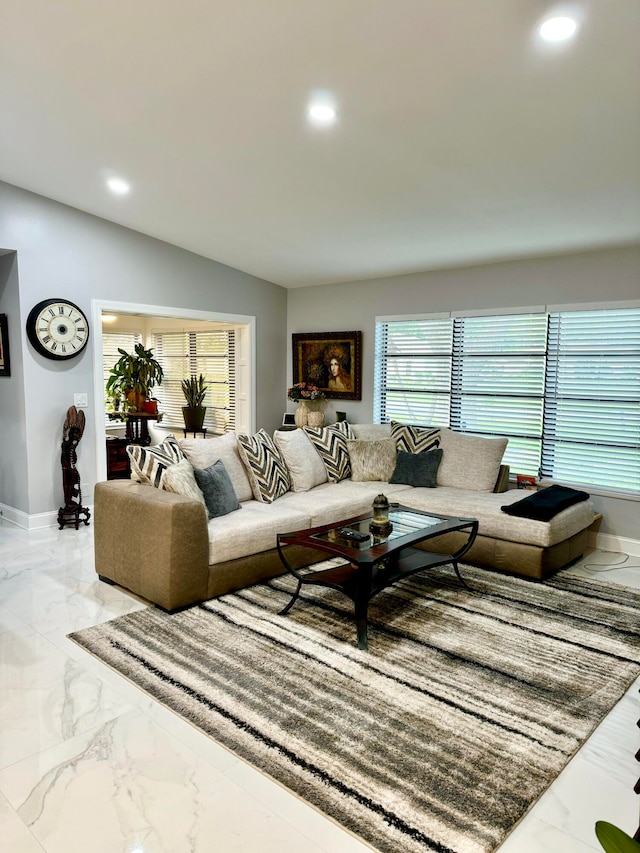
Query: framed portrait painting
{"type": "Point", "coordinates": [330, 360]}
{"type": "Point", "coordinates": [5, 364]}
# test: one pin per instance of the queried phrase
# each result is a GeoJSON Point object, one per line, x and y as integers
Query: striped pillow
{"type": "Point", "coordinates": [413, 439]}
{"type": "Point", "coordinates": [267, 470]}
{"type": "Point", "coordinates": [331, 444]}
{"type": "Point", "coordinates": [148, 464]}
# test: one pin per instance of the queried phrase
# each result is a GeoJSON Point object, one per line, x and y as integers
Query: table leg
{"type": "Point", "coordinates": [294, 598]}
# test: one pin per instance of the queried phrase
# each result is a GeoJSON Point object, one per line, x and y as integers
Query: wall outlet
{"type": "Point", "coordinates": [80, 401]}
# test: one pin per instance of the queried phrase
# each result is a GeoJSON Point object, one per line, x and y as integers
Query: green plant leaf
{"type": "Point", "coordinates": [614, 840]}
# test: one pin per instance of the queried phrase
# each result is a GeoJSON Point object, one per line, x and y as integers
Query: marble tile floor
{"type": "Point", "coordinates": [89, 762]}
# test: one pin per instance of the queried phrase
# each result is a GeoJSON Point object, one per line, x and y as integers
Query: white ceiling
{"type": "Point", "coordinates": [461, 137]}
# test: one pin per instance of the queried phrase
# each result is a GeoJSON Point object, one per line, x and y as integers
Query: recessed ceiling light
{"type": "Point", "coordinates": [322, 113]}
{"type": "Point", "coordinates": [118, 186]}
{"type": "Point", "coordinates": [557, 29]}
{"type": "Point", "coordinates": [109, 318]}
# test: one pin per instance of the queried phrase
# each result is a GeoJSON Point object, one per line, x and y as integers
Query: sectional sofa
{"type": "Point", "coordinates": [153, 535]}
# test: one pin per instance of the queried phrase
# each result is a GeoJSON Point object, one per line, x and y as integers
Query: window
{"type": "Point", "coordinates": [184, 354]}
{"type": "Point", "coordinates": [563, 387]}
{"type": "Point", "coordinates": [111, 343]}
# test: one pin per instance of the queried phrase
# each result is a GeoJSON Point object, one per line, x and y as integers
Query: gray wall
{"type": "Point", "coordinates": [13, 440]}
{"type": "Point", "coordinates": [64, 252]}
{"type": "Point", "coordinates": [598, 276]}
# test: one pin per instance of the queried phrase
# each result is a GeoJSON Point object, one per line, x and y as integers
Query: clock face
{"type": "Point", "coordinates": [57, 328]}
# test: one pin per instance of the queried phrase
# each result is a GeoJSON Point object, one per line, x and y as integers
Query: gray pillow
{"type": "Point", "coordinates": [417, 469]}
{"type": "Point", "coordinates": [215, 484]}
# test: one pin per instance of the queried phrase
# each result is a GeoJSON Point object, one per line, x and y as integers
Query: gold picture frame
{"type": "Point", "coordinates": [330, 360]}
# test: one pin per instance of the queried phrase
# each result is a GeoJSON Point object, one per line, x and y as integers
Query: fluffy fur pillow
{"type": "Point", "coordinates": [372, 460]}
{"type": "Point", "coordinates": [179, 478]}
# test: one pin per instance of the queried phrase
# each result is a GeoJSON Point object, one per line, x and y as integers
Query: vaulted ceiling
{"type": "Point", "coordinates": [461, 137]}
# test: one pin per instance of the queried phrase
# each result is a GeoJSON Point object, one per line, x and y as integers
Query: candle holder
{"type": "Point", "coordinates": [380, 523]}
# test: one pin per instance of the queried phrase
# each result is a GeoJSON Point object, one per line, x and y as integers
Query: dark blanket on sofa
{"type": "Point", "coordinates": [545, 503]}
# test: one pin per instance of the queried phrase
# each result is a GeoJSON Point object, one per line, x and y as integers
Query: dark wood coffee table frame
{"type": "Point", "coordinates": [374, 565]}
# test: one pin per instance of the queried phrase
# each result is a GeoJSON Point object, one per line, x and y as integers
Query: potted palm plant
{"type": "Point", "coordinates": [194, 389]}
{"type": "Point", "coordinates": [134, 376]}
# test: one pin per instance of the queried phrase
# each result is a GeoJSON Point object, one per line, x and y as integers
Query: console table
{"type": "Point", "coordinates": [137, 427]}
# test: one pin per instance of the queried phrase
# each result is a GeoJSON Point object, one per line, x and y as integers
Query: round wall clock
{"type": "Point", "coordinates": [57, 328]}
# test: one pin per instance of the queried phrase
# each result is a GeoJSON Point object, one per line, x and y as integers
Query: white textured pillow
{"type": "Point", "coordinates": [306, 468]}
{"type": "Point", "coordinates": [372, 460]}
{"type": "Point", "coordinates": [203, 452]}
{"type": "Point", "coordinates": [179, 478]}
{"type": "Point", "coordinates": [469, 461]}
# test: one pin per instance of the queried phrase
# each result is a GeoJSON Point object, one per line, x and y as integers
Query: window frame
{"type": "Point", "coordinates": [551, 358]}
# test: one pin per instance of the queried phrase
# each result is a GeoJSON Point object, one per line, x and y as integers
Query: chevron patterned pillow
{"type": "Point", "coordinates": [148, 464]}
{"type": "Point", "coordinates": [413, 439]}
{"type": "Point", "coordinates": [265, 466]}
{"type": "Point", "coordinates": [331, 444]}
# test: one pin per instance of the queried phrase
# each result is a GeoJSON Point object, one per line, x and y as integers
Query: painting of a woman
{"type": "Point", "coordinates": [331, 361]}
{"type": "Point", "coordinates": [336, 360]}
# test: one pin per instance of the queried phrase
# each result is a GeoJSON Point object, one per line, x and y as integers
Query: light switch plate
{"type": "Point", "coordinates": [80, 401]}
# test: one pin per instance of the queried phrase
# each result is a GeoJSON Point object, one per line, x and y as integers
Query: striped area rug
{"type": "Point", "coordinates": [440, 737]}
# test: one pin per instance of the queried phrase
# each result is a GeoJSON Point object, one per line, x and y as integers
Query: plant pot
{"type": "Point", "coordinates": [193, 417]}
{"type": "Point", "coordinates": [151, 407]}
{"type": "Point", "coordinates": [136, 401]}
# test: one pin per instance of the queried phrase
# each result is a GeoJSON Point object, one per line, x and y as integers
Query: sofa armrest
{"type": "Point", "coordinates": [502, 483]}
{"type": "Point", "coordinates": [152, 542]}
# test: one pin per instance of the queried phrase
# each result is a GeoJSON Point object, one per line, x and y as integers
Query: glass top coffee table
{"type": "Point", "coordinates": [375, 561]}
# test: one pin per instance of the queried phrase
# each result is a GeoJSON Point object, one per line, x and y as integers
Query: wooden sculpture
{"type": "Point", "coordinates": [72, 431]}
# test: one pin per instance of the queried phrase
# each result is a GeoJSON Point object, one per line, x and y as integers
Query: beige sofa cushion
{"type": "Point", "coordinates": [485, 506]}
{"type": "Point", "coordinates": [306, 468]}
{"type": "Point", "coordinates": [253, 529]}
{"type": "Point", "coordinates": [469, 461]}
{"type": "Point", "coordinates": [202, 453]}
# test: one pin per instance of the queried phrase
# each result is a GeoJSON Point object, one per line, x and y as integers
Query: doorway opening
{"type": "Point", "coordinates": [148, 321]}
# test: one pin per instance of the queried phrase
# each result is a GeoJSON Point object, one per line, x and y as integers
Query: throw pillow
{"type": "Point", "coordinates": [414, 439]}
{"type": "Point", "coordinates": [372, 460]}
{"type": "Point", "coordinates": [204, 452]}
{"type": "Point", "coordinates": [179, 478]}
{"type": "Point", "coordinates": [331, 444]}
{"type": "Point", "coordinates": [417, 469]}
{"type": "Point", "coordinates": [265, 466]}
{"type": "Point", "coordinates": [470, 461]}
{"type": "Point", "coordinates": [306, 469]}
{"type": "Point", "coordinates": [217, 488]}
{"type": "Point", "coordinates": [148, 464]}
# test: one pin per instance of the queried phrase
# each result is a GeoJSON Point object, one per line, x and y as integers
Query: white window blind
{"type": "Point", "coordinates": [563, 387]}
{"type": "Point", "coordinates": [592, 410]}
{"type": "Point", "coordinates": [185, 354]}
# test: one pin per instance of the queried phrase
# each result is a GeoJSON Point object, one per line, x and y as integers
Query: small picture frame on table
{"type": "Point", "coordinates": [288, 419]}
{"type": "Point", "coordinates": [5, 363]}
{"type": "Point", "coordinates": [526, 481]}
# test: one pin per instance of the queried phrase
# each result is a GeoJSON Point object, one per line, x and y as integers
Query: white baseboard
{"type": "Point", "coordinates": [30, 522]}
{"type": "Point", "coordinates": [611, 542]}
